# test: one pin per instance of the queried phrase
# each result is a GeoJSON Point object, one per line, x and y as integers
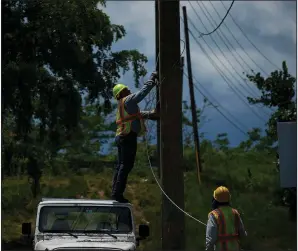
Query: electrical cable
{"type": "Point", "coordinates": [250, 40]}
{"type": "Point", "coordinates": [164, 193]}
{"type": "Point", "coordinates": [147, 145]}
{"type": "Point", "coordinates": [221, 36]}
{"type": "Point", "coordinates": [223, 75]}
{"type": "Point", "coordinates": [218, 104]}
{"type": "Point", "coordinates": [152, 171]}
{"type": "Point", "coordinates": [160, 187]}
{"type": "Point", "coordinates": [240, 45]}
{"type": "Point", "coordinates": [208, 99]}
{"type": "Point", "coordinates": [225, 78]}
{"type": "Point", "coordinates": [237, 127]}
{"type": "Point", "coordinates": [251, 91]}
{"type": "Point", "coordinates": [218, 45]}
{"type": "Point", "coordinates": [155, 178]}
{"type": "Point", "coordinates": [206, 34]}
{"type": "Point", "coordinates": [148, 155]}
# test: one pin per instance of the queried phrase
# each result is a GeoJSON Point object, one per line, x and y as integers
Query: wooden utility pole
{"type": "Point", "coordinates": [182, 68]}
{"type": "Point", "coordinates": [192, 97]}
{"type": "Point", "coordinates": [173, 236]}
{"type": "Point", "coordinates": [182, 74]}
{"type": "Point", "coordinates": [157, 88]}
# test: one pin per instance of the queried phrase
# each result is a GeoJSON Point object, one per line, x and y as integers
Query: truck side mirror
{"type": "Point", "coordinates": [143, 231]}
{"type": "Point", "coordinates": [26, 228]}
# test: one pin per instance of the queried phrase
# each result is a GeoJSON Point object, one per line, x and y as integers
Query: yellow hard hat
{"type": "Point", "coordinates": [118, 88]}
{"type": "Point", "coordinates": [222, 194]}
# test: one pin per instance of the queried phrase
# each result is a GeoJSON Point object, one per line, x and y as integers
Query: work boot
{"type": "Point", "coordinates": [124, 200]}
{"type": "Point", "coordinates": [120, 199]}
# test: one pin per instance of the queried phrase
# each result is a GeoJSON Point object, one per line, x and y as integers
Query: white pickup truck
{"type": "Point", "coordinates": [81, 224]}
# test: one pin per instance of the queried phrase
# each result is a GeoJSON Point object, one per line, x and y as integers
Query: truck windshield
{"type": "Point", "coordinates": [85, 219]}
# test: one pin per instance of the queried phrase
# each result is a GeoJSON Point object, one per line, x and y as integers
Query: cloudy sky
{"type": "Point", "coordinates": [269, 25]}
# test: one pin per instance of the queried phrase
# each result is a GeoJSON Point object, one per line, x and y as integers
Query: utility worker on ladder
{"type": "Point", "coordinates": [224, 226]}
{"type": "Point", "coordinates": [130, 125]}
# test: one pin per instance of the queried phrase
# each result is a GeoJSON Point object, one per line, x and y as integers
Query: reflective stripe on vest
{"type": "Point", "coordinates": [124, 119]}
{"type": "Point", "coordinates": [228, 236]}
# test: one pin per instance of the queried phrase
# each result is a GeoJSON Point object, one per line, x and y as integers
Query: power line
{"type": "Point", "coordinates": [250, 40]}
{"type": "Point", "coordinates": [251, 91]}
{"type": "Point", "coordinates": [218, 104]}
{"type": "Point", "coordinates": [213, 105]}
{"type": "Point", "coordinates": [222, 35]}
{"type": "Point", "coordinates": [225, 78]}
{"type": "Point", "coordinates": [219, 47]}
{"type": "Point", "coordinates": [206, 34]}
{"type": "Point", "coordinates": [151, 103]}
{"type": "Point", "coordinates": [216, 107]}
{"type": "Point", "coordinates": [240, 45]}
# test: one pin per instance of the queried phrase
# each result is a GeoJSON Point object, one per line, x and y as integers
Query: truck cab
{"type": "Point", "coordinates": [81, 224]}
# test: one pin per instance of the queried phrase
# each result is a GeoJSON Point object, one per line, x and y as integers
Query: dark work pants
{"type": "Point", "coordinates": [127, 148]}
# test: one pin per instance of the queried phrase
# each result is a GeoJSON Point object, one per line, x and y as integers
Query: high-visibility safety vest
{"type": "Point", "coordinates": [124, 119]}
{"type": "Point", "coordinates": [227, 219]}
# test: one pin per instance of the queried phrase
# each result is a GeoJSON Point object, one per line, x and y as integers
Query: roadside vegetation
{"type": "Point", "coordinates": [256, 196]}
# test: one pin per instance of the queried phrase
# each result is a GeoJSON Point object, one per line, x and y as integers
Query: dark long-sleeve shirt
{"type": "Point", "coordinates": [211, 232]}
{"type": "Point", "coordinates": [131, 104]}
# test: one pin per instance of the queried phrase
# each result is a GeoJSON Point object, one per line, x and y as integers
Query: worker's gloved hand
{"type": "Point", "coordinates": [154, 77]}
{"type": "Point", "coordinates": [154, 115]}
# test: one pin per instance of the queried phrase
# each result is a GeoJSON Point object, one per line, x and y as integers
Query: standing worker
{"type": "Point", "coordinates": [130, 125]}
{"type": "Point", "coordinates": [224, 227]}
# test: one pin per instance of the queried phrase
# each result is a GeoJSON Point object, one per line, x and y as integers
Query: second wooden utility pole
{"type": "Point", "coordinates": [192, 97]}
{"type": "Point", "coordinates": [182, 74]}
{"type": "Point", "coordinates": [173, 236]}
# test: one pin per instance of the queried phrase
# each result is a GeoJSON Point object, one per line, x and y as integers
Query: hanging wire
{"type": "Point", "coordinates": [207, 34]}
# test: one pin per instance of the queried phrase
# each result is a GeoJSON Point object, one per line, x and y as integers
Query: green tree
{"type": "Point", "coordinates": [93, 131]}
{"type": "Point", "coordinates": [254, 137]}
{"type": "Point", "coordinates": [53, 52]}
{"type": "Point", "coordinates": [222, 141]}
{"type": "Point", "coordinates": [277, 91]}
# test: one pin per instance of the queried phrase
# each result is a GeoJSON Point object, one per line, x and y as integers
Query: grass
{"type": "Point", "coordinates": [267, 223]}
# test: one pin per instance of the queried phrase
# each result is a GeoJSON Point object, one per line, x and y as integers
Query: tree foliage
{"type": "Point", "coordinates": [91, 132]}
{"type": "Point", "coordinates": [277, 91]}
{"type": "Point", "coordinates": [53, 52]}
{"type": "Point", "coordinates": [222, 141]}
{"type": "Point", "coordinates": [253, 138]}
